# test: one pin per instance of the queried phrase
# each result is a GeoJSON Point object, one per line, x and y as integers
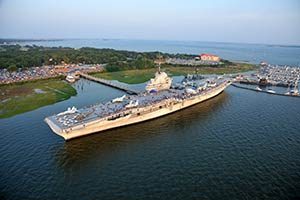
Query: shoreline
{"type": "Point", "coordinates": [59, 77]}
{"type": "Point", "coordinates": [23, 97]}
{"type": "Point", "coordinates": [135, 76]}
{"type": "Point", "coordinates": [174, 70]}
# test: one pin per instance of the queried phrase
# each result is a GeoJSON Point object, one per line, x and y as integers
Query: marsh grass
{"type": "Point", "coordinates": [20, 98]}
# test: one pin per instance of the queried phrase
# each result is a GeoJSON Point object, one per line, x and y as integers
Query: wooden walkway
{"type": "Point", "coordinates": [110, 83]}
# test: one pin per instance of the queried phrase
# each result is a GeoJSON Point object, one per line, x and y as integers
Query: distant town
{"type": "Point", "coordinates": [203, 59]}
{"type": "Point", "coordinates": [45, 72]}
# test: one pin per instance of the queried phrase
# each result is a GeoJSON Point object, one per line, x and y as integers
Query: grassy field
{"type": "Point", "coordinates": [129, 76]}
{"type": "Point", "coordinates": [20, 98]}
{"type": "Point", "coordinates": [143, 75]}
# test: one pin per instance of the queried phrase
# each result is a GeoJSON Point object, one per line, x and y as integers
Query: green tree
{"type": "Point", "coordinates": [12, 68]}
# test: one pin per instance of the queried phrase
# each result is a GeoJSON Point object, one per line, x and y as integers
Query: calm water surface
{"type": "Point", "coordinates": [239, 145]}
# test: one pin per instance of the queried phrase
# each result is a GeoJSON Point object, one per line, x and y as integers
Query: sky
{"type": "Point", "coordinates": [252, 21]}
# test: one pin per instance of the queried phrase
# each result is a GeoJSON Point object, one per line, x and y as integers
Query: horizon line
{"type": "Point", "coordinates": [143, 39]}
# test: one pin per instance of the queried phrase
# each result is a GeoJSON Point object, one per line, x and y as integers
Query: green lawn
{"type": "Point", "coordinates": [128, 76]}
{"type": "Point", "coordinates": [20, 98]}
{"type": "Point", "coordinates": [143, 75]}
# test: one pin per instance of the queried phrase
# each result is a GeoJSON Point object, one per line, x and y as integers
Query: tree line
{"type": "Point", "coordinates": [16, 56]}
{"type": "Point", "coordinates": [13, 57]}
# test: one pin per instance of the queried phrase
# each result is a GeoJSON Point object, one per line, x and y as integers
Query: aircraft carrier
{"type": "Point", "coordinates": [159, 99]}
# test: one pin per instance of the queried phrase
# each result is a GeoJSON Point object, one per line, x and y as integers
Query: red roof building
{"type": "Point", "coordinates": [210, 57]}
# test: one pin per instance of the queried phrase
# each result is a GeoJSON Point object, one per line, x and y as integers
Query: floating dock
{"type": "Point", "coordinates": [263, 91]}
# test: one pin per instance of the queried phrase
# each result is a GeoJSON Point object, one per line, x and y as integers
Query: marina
{"type": "Point", "coordinates": [280, 75]}
{"type": "Point", "coordinates": [272, 75]}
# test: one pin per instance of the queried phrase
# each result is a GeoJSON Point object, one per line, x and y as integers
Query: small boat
{"type": "Point", "coordinates": [258, 88]}
{"type": "Point", "coordinates": [294, 92]}
{"type": "Point", "coordinates": [70, 79]}
{"type": "Point", "coordinates": [271, 91]}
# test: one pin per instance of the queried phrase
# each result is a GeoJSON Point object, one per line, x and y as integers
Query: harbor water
{"type": "Point", "coordinates": [239, 145]}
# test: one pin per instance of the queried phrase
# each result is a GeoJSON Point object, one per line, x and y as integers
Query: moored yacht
{"type": "Point", "coordinates": [258, 89]}
{"type": "Point", "coordinates": [70, 79]}
{"type": "Point", "coordinates": [271, 91]}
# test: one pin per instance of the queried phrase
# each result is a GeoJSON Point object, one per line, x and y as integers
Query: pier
{"type": "Point", "coordinates": [110, 83]}
{"type": "Point", "coordinates": [256, 82]}
{"type": "Point", "coordinates": [252, 89]}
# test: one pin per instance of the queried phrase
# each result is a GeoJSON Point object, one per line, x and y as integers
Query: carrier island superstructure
{"type": "Point", "coordinates": [159, 99]}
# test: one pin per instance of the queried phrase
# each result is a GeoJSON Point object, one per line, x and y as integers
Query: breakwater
{"type": "Point", "coordinates": [263, 91]}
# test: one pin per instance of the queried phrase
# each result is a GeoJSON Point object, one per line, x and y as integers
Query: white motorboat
{"type": "Point", "coordinates": [258, 89]}
{"type": "Point", "coordinates": [271, 91]}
